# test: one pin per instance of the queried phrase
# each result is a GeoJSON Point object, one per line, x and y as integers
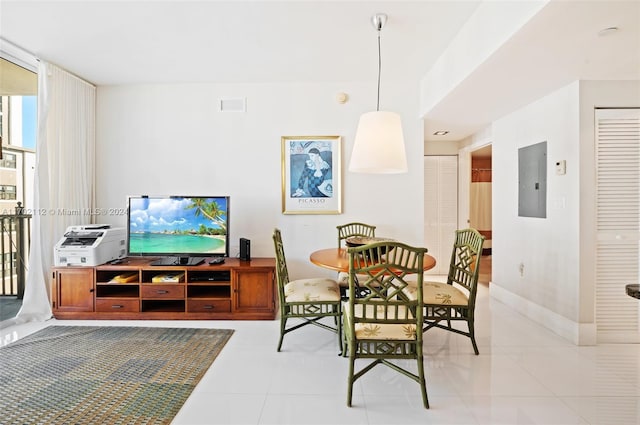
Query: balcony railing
{"type": "Point", "coordinates": [15, 231]}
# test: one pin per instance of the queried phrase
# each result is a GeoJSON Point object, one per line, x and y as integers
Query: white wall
{"type": "Point", "coordinates": [558, 253]}
{"type": "Point", "coordinates": [171, 139]}
{"type": "Point", "coordinates": [433, 147]}
{"type": "Point", "coordinates": [548, 248]}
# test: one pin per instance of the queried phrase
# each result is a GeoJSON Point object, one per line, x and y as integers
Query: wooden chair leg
{"type": "Point", "coordinates": [283, 323]}
{"type": "Point", "coordinates": [472, 335]}
{"type": "Point", "coordinates": [422, 382]}
{"type": "Point", "coordinates": [340, 331]}
{"type": "Point", "coordinates": [352, 362]}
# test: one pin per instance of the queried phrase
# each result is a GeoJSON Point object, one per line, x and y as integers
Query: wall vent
{"type": "Point", "coordinates": [232, 104]}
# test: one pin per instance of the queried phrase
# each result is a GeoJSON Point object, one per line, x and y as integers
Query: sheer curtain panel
{"type": "Point", "coordinates": [64, 177]}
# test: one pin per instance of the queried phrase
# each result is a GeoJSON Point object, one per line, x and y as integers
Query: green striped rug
{"type": "Point", "coordinates": [104, 375]}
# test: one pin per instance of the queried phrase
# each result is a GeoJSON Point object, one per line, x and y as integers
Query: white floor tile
{"type": "Point", "coordinates": [241, 372]}
{"type": "Point", "coordinates": [302, 373]}
{"type": "Point", "coordinates": [567, 373]}
{"type": "Point", "coordinates": [524, 374]}
{"type": "Point", "coordinates": [606, 410]}
{"type": "Point", "coordinates": [522, 410]}
{"type": "Point", "coordinates": [409, 410]}
{"type": "Point", "coordinates": [312, 410]}
{"type": "Point", "coordinates": [204, 408]}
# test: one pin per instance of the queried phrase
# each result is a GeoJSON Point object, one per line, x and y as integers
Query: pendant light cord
{"type": "Point", "coordinates": [379, 70]}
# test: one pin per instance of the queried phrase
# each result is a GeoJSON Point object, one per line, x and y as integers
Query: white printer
{"type": "Point", "coordinates": [90, 245]}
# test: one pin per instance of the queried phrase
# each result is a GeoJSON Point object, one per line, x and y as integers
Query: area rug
{"type": "Point", "coordinates": [104, 375]}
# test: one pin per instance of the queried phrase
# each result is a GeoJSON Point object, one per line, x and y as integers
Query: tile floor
{"type": "Point", "coordinates": [523, 375]}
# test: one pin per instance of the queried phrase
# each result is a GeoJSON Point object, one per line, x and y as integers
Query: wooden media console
{"type": "Point", "coordinates": [134, 289]}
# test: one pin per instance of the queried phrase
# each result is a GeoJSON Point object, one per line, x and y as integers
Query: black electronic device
{"type": "Point", "coordinates": [182, 230]}
{"type": "Point", "coordinates": [245, 249]}
{"type": "Point", "coordinates": [216, 260]}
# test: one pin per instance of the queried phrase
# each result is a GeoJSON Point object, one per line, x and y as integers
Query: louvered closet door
{"type": "Point", "coordinates": [440, 208]}
{"type": "Point", "coordinates": [618, 223]}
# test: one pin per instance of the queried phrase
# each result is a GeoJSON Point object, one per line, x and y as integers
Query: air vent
{"type": "Point", "coordinates": [233, 104]}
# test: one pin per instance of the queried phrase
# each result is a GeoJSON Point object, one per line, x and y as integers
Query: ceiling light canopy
{"type": "Point", "coordinates": [379, 143]}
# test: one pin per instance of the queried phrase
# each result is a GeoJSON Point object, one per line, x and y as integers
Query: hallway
{"type": "Point", "coordinates": [484, 275]}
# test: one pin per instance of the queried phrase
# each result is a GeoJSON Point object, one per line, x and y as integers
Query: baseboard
{"type": "Point", "coordinates": [577, 333]}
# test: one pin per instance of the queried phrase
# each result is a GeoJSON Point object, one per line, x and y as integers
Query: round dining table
{"type": "Point", "coordinates": [337, 259]}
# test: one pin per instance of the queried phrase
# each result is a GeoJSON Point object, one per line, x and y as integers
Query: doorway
{"type": "Point", "coordinates": [480, 205]}
{"type": "Point", "coordinates": [440, 208]}
{"type": "Point", "coordinates": [18, 104]}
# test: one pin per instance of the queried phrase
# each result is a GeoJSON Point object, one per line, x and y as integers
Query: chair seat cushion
{"type": "Point", "coordinates": [315, 289]}
{"type": "Point", "coordinates": [403, 331]}
{"type": "Point", "coordinates": [439, 293]}
{"type": "Point", "coordinates": [343, 278]}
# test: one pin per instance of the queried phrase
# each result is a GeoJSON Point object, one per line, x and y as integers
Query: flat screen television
{"type": "Point", "coordinates": [181, 230]}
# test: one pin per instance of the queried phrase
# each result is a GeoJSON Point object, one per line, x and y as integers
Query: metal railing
{"type": "Point", "coordinates": [15, 231]}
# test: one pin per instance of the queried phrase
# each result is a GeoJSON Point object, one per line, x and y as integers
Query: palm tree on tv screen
{"type": "Point", "coordinates": [211, 210]}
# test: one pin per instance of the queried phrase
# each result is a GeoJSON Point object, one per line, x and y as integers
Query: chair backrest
{"type": "Point", "coordinates": [282, 274]}
{"type": "Point", "coordinates": [465, 261]}
{"type": "Point", "coordinates": [385, 270]}
{"type": "Point", "coordinates": [355, 229]}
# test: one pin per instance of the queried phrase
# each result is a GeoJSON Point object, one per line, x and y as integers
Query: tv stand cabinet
{"type": "Point", "coordinates": [134, 289]}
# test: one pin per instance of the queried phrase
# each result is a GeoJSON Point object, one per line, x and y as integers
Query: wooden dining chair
{"type": "Point", "coordinates": [308, 300]}
{"type": "Point", "coordinates": [355, 229]}
{"type": "Point", "coordinates": [346, 231]}
{"type": "Point", "coordinates": [385, 325]}
{"type": "Point", "coordinates": [455, 300]}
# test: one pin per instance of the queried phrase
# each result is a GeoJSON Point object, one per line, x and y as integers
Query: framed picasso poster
{"type": "Point", "coordinates": [311, 175]}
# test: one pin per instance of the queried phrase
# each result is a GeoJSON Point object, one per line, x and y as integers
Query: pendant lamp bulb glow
{"type": "Point", "coordinates": [379, 143]}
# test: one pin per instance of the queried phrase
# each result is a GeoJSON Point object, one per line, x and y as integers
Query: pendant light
{"type": "Point", "coordinates": [379, 143]}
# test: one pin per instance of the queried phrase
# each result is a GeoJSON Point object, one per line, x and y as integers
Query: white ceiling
{"type": "Point", "coordinates": [123, 42]}
{"type": "Point", "coordinates": [128, 42]}
{"type": "Point", "coordinates": [557, 46]}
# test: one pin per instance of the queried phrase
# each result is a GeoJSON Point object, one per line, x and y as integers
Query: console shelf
{"type": "Point", "coordinates": [134, 289]}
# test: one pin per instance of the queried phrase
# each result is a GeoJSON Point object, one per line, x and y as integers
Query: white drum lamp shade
{"type": "Point", "coordinates": [379, 144]}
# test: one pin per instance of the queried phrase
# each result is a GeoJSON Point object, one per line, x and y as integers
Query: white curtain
{"type": "Point", "coordinates": [480, 205]}
{"type": "Point", "coordinates": [64, 177]}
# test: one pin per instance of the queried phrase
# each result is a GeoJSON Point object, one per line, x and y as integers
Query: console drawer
{"type": "Point", "coordinates": [162, 291]}
{"type": "Point", "coordinates": [208, 306]}
{"type": "Point", "coordinates": [118, 304]}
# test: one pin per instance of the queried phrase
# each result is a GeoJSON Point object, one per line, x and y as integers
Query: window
{"type": "Point", "coordinates": [8, 160]}
{"type": "Point", "coordinates": [18, 128]}
{"type": "Point", "coordinates": [8, 264]}
{"type": "Point", "coordinates": [7, 192]}
{"type": "Point", "coordinates": [1, 118]}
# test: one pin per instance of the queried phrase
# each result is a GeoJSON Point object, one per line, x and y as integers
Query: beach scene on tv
{"type": "Point", "coordinates": [175, 225]}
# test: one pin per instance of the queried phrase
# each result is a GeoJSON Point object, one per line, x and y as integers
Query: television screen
{"type": "Point", "coordinates": [178, 226]}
